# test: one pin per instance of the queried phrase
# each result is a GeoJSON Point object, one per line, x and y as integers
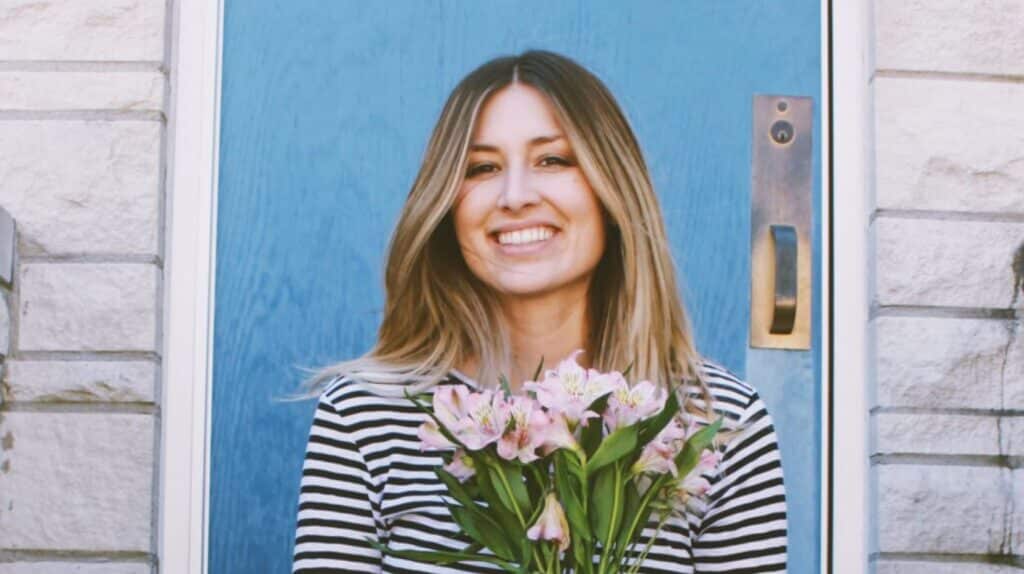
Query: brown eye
{"type": "Point", "coordinates": [479, 168]}
{"type": "Point", "coordinates": [554, 160]}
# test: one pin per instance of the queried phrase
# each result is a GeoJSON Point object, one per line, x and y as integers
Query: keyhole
{"type": "Point", "coordinates": [782, 132]}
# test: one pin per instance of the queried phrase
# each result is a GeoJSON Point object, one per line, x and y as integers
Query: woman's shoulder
{"type": "Point", "coordinates": [731, 396]}
{"type": "Point", "coordinates": [351, 396]}
{"type": "Point", "coordinates": [348, 392]}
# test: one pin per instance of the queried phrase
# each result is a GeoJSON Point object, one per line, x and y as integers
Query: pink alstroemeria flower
{"type": "Point", "coordinates": [488, 415]}
{"type": "Point", "coordinates": [557, 435]}
{"type": "Point", "coordinates": [461, 466]}
{"type": "Point", "coordinates": [628, 405]}
{"type": "Point", "coordinates": [474, 419]}
{"type": "Point", "coordinates": [695, 483]}
{"type": "Point", "coordinates": [450, 409]}
{"type": "Point", "coordinates": [571, 389]}
{"type": "Point", "coordinates": [525, 432]}
{"type": "Point", "coordinates": [659, 455]}
{"type": "Point", "coordinates": [552, 524]}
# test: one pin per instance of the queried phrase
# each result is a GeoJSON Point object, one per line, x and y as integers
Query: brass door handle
{"type": "Point", "coordinates": [784, 308]}
{"type": "Point", "coordinates": [781, 201]}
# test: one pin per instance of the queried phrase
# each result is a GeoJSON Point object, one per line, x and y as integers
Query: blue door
{"type": "Point", "coordinates": [326, 109]}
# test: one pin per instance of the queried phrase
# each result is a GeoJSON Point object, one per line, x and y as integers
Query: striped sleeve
{"type": "Point", "coordinates": [338, 507]}
{"type": "Point", "coordinates": [743, 528]}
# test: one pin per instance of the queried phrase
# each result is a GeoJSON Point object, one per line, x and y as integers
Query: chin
{"type": "Point", "coordinates": [532, 286]}
{"type": "Point", "coordinates": [523, 287]}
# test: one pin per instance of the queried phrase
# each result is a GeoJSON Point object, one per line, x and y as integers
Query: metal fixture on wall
{"type": "Point", "coordinates": [780, 226]}
{"type": "Point", "coordinates": [8, 238]}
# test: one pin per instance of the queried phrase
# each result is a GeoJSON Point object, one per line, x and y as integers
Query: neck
{"type": "Point", "coordinates": [550, 326]}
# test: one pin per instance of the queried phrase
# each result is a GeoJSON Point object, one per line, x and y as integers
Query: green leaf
{"type": "Point", "coordinates": [607, 502]}
{"type": "Point", "coordinates": [689, 456]}
{"type": "Point", "coordinates": [591, 435]}
{"type": "Point", "coordinates": [579, 552]}
{"type": "Point", "coordinates": [484, 530]}
{"type": "Point", "coordinates": [455, 487]}
{"type": "Point", "coordinates": [613, 447]}
{"type": "Point", "coordinates": [504, 385]}
{"type": "Point", "coordinates": [602, 495]}
{"type": "Point", "coordinates": [574, 462]}
{"type": "Point", "coordinates": [471, 517]}
{"type": "Point", "coordinates": [514, 479]}
{"type": "Point", "coordinates": [628, 368]}
{"type": "Point", "coordinates": [502, 514]}
{"type": "Point", "coordinates": [441, 557]}
{"type": "Point", "coordinates": [635, 522]}
{"type": "Point", "coordinates": [504, 489]}
{"type": "Point", "coordinates": [569, 495]}
{"type": "Point", "coordinates": [630, 505]}
{"type": "Point", "coordinates": [504, 497]}
{"type": "Point", "coordinates": [652, 426]}
{"type": "Point", "coordinates": [535, 488]}
{"type": "Point", "coordinates": [540, 366]}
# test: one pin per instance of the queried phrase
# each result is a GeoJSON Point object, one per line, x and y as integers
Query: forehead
{"type": "Point", "coordinates": [515, 113]}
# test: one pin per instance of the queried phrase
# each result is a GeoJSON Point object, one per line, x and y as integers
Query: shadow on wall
{"type": "Point", "coordinates": [1018, 273]}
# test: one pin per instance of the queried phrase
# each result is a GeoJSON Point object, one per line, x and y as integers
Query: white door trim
{"type": "Point", "coordinates": [194, 126]}
{"type": "Point", "coordinates": [845, 323]}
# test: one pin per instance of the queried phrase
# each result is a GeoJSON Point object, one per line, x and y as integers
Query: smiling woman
{"type": "Point", "coordinates": [532, 229]}
{"type": "Point", "coordinates": [528, 224]}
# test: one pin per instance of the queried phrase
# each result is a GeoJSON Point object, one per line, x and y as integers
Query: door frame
{"type": "Point", "coordinates": [192, 168]}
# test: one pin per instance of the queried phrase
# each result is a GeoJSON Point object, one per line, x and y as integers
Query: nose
{"type": "Point", "coordinates": [517, 190]}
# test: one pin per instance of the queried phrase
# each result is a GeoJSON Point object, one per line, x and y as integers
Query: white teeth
{"type": "Point", "coordinates": [521, 236]}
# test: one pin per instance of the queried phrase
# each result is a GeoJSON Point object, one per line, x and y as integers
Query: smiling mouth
{"type": "Point", "coordinates": [528, 236]}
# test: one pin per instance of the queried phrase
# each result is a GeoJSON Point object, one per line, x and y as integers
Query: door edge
{"type": "Point", "coordinates": [193, 136]}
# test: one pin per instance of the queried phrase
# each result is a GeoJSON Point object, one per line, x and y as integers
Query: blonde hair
{"type": "Point", "coordinates": [437, 314]}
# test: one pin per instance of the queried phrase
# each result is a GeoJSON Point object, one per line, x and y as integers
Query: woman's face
{"type": "Point", "coordinates": [526, 219]}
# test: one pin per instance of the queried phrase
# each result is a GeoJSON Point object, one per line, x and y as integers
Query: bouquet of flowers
{"type": "Point", "coordinates": [564, 477]}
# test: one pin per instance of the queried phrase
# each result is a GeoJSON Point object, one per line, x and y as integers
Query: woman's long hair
{"type": "Point", "coordinates": [437, 314]}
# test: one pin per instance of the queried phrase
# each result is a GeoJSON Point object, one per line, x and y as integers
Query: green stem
{"type": "Point", "coordinates": [616, 503]}
{"type": "Point", "coordinates": [642, 510]}
{"type": "Point", "coordinates": [542, 568]}
{"type": "Point", "coordinates": [538, 476]}
{"type": "Point", "coordinates": [511, 497]}
{"type": "Point", "coordinates": [643, 555]}
{"type": "Point", "coordinates": [585, 497]}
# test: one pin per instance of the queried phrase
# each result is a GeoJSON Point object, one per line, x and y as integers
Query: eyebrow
{"type": "Point", "coordinates": [539, 140]}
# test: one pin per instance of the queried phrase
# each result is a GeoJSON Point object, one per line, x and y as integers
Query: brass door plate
{"type": "Point", "coordinates": [780, 225]}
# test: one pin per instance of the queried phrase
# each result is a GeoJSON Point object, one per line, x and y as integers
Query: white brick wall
{"type": "Point", "coordinates": [946, 327]}
{"type": "Point", "coordinates": [98, 175]}
{"type": "Point", "coordinates": [949, 144]}
{"type": "Point", "coordinates": [979, 37]}
{"type": "Point", "coordinates": [78, 480]}
{"type": "Point", "coordinates": [88, 307]}
{"type": "Point", "coordinates": [83, 30]}
{"type": "Point", "coordinates": [83, 90]}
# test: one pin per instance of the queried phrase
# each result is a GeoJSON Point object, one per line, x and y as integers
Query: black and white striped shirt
{"type": "Point", "coordinates": [365, 476]}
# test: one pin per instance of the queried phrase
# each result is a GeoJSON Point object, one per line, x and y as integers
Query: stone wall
{"type": "Point", "coordinates": [83, 100]}
{"type": "Point", "coordinates": [947, 234]}
{"type": "Point", "coordinates": [83, 91]}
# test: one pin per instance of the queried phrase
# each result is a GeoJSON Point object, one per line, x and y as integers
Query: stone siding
{"type": "Point", "coordinates": [947, 237]}
{"type": "Point", "coordinates": [83, 98]}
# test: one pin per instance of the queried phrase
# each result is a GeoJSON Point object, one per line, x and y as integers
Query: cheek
{"type": "Point", "coordinates": [591, 216]}
{"type": "Point", "coordinates": [462, 213]}
{"type": "Point", "coordinates": [586, 209]}
{"type": "Point", "coordinates": [468, 216]}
